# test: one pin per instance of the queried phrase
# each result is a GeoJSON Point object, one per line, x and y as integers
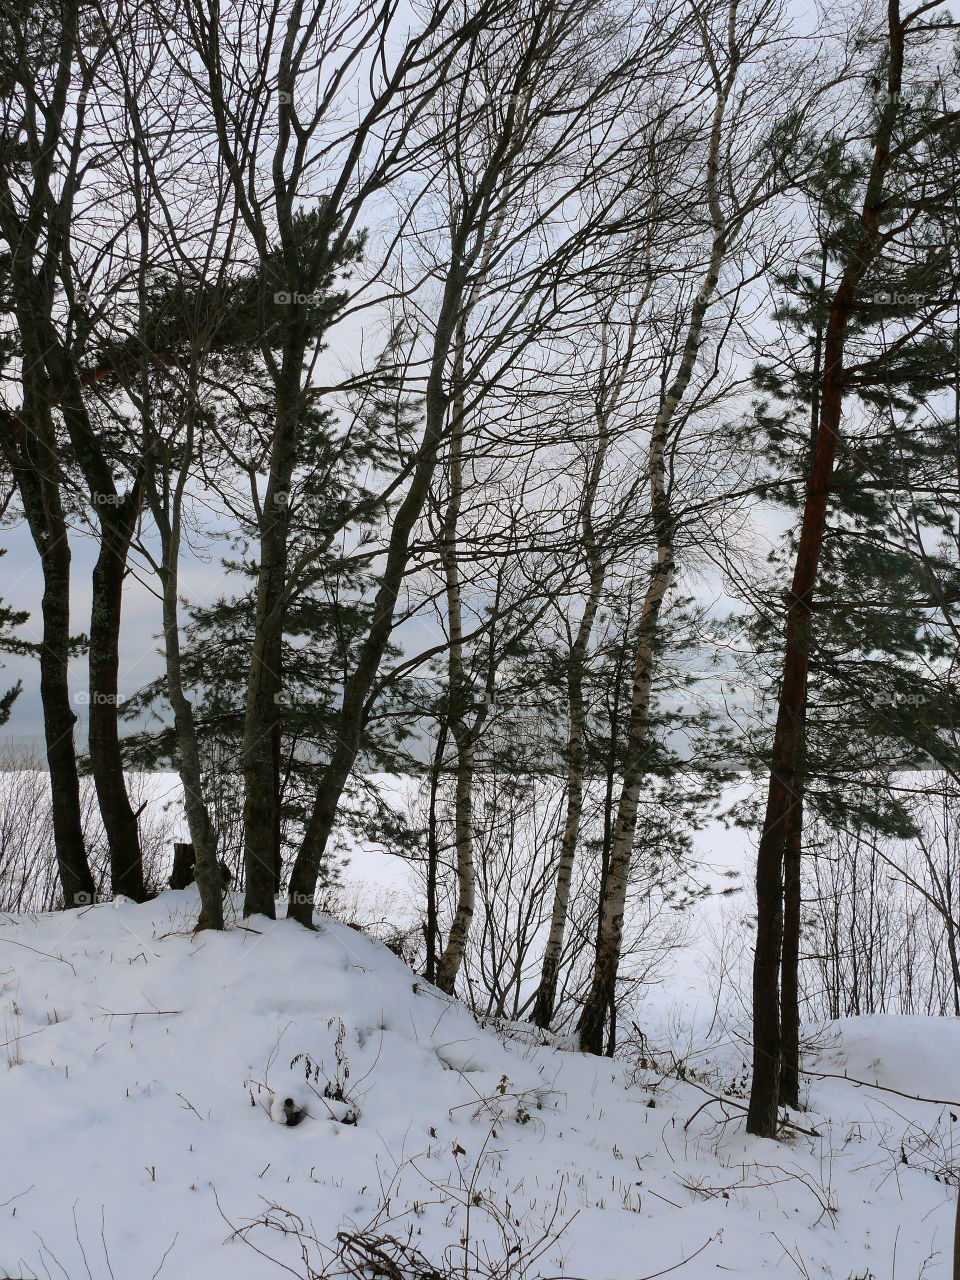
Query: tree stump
{"type": "Point", "coordinates": [184, 866]}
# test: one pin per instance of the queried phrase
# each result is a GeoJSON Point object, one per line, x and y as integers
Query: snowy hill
{"type": "Point", "coordinates": [144, 1130]}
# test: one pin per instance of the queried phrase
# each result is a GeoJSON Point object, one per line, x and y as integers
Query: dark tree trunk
{"type": "Point", "coordinates": [276, 745]}
{"type": "Point", "coordinates": [31, 456]}
{"type": "Point", "coordinates": [117, 516]}
{"type": "Point", "coordinates": [184, 866]}
{"type": "Point", "coordinates": [433, 857]}
{"type": "Point", "coordinates": [119, 820]}
{"type": "Point", "coordinates": [353, 712]}
{"type": "Point", "coordinates": [782, 792]}
{"type": "Point", "coordinates": [306, 868]}
{"type": "Point", "coordinates": [264, 683]}
{"type": "Point", "coordinates": [787, 742]}
{"type": "Point", "coordinates": [203, 837]}
{"type": "Point", "coordinates": [790, 957]}
{"type": "Point", "coordinates": [264, 689]}
{"type": "Point", "coordinates": [41, 502]}
{"type": "Point", "coordinates": [58, 722]}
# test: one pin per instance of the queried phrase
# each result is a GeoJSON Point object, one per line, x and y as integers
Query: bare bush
{"type": "Point", "coordinates": [881, 915]}
{"type": "Point", "coordinates": [518, 826]}
{"type": "Point", "coordinates": [492, 1244]}
{"type": "Point", "coordinates": [29, 875]}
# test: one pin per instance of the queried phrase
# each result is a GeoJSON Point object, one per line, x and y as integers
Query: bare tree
{"type": "Point", "coordinates": [39, 66]}
{"type": "Point", "coordinates": [277, 133]}
{"type": "Point", "coordinates": [610, 386]}
{"type": "Point", "coordinates": [730, 37]}
{"type": "Point", "coordinates": [538, 156]}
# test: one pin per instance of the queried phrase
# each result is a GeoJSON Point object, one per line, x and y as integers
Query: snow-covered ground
{"type": "Point", "coordinates": [145, 1069]}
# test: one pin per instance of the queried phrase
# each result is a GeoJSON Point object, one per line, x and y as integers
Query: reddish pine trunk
{"type": "Point", "coordinates": [790, 958]}
{"type": "Point", "coordinates": [785, 757]}
{"type": "Point", "coordinates": [781, 795]}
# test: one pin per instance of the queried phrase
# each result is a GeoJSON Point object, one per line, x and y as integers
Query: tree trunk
{"type": "Point", "coordinates": [458, 692]}
{"type": "Point", "coordinates": [167, 509]}
{"type": "Point", "coordinates": [32, 458]}
{"type": "Point", "coordinates": [276, 751]}
{"type": "Point", "coordinates": [58, 722]}
{"type": "Point", "coordinates": [202, 834]}
{"type": "Point", "coordinates": [117, 516]}
{"type": "Point", "coordinates": [433, 855]}
{"type": "Point", "coordinates": [787, 742]}
{"type": "Point", "coordinates": [184, 865]}
{"type": "Point", "coordinates": [602, 991]}
{"type": "Point", "coordinates": [31, 447]}
{"type": "Point", "coordinates": [546, 997]}
{"type": "Point", "coordinates": [119, 820]}
{"type": "Point", "coordinates": [790, 957]}
{"type": "Point", "coordinates": [452, 957]}
{"type": "Point", "coordinates": [264, 689]}
{"type": "Point", "coordinates": [353, 712]}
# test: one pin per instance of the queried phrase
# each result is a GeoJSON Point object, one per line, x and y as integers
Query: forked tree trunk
{"type": "Point", "coordinates": [354, 709]}
{"type": "Point", "coordinates": [464, 731]}
{"type": "Point", "coordinates": [202, 833]}
{"type": "Point", "coordinates": [788, 735]}
{"type": "Point", "coordinates": [31, 448]}
{"type": "Point", "coordinates": [117, 516]}
{"type": "Point", "coordinates": [38, 485]}
{"type": "Point", "coordinates": [546, 997]}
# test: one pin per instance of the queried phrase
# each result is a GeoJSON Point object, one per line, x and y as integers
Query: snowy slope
{"type": "Point", "coordinates": [135, 1108]}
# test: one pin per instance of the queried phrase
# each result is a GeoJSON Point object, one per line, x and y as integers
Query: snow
{"type": "Point", "coordinates": [141, 1102]}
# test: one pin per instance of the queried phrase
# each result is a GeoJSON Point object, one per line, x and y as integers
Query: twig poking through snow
{"type": "Point", "coordinates": [49, 954]}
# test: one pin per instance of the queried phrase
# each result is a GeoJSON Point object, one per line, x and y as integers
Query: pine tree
{"type": "Point", "coordinates": [869, 307]}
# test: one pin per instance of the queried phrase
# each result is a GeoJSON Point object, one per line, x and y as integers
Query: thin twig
{"type": "Point", "coordinates": [718, 1097]}
{"type": "Point", "coordinates": [137, 1013]}
{"type": "Point", "coordinates": [654, 1274]}
{"type": "Point", "coordinates": [884, 1088]}
{"type": "Point", "coordinates": [49, 954]}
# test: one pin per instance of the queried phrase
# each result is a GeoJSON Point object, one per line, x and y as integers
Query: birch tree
{"type": "Point", "coordinates": [736, 182]}
{"type": "Point", "coordinates": [610, 385]}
